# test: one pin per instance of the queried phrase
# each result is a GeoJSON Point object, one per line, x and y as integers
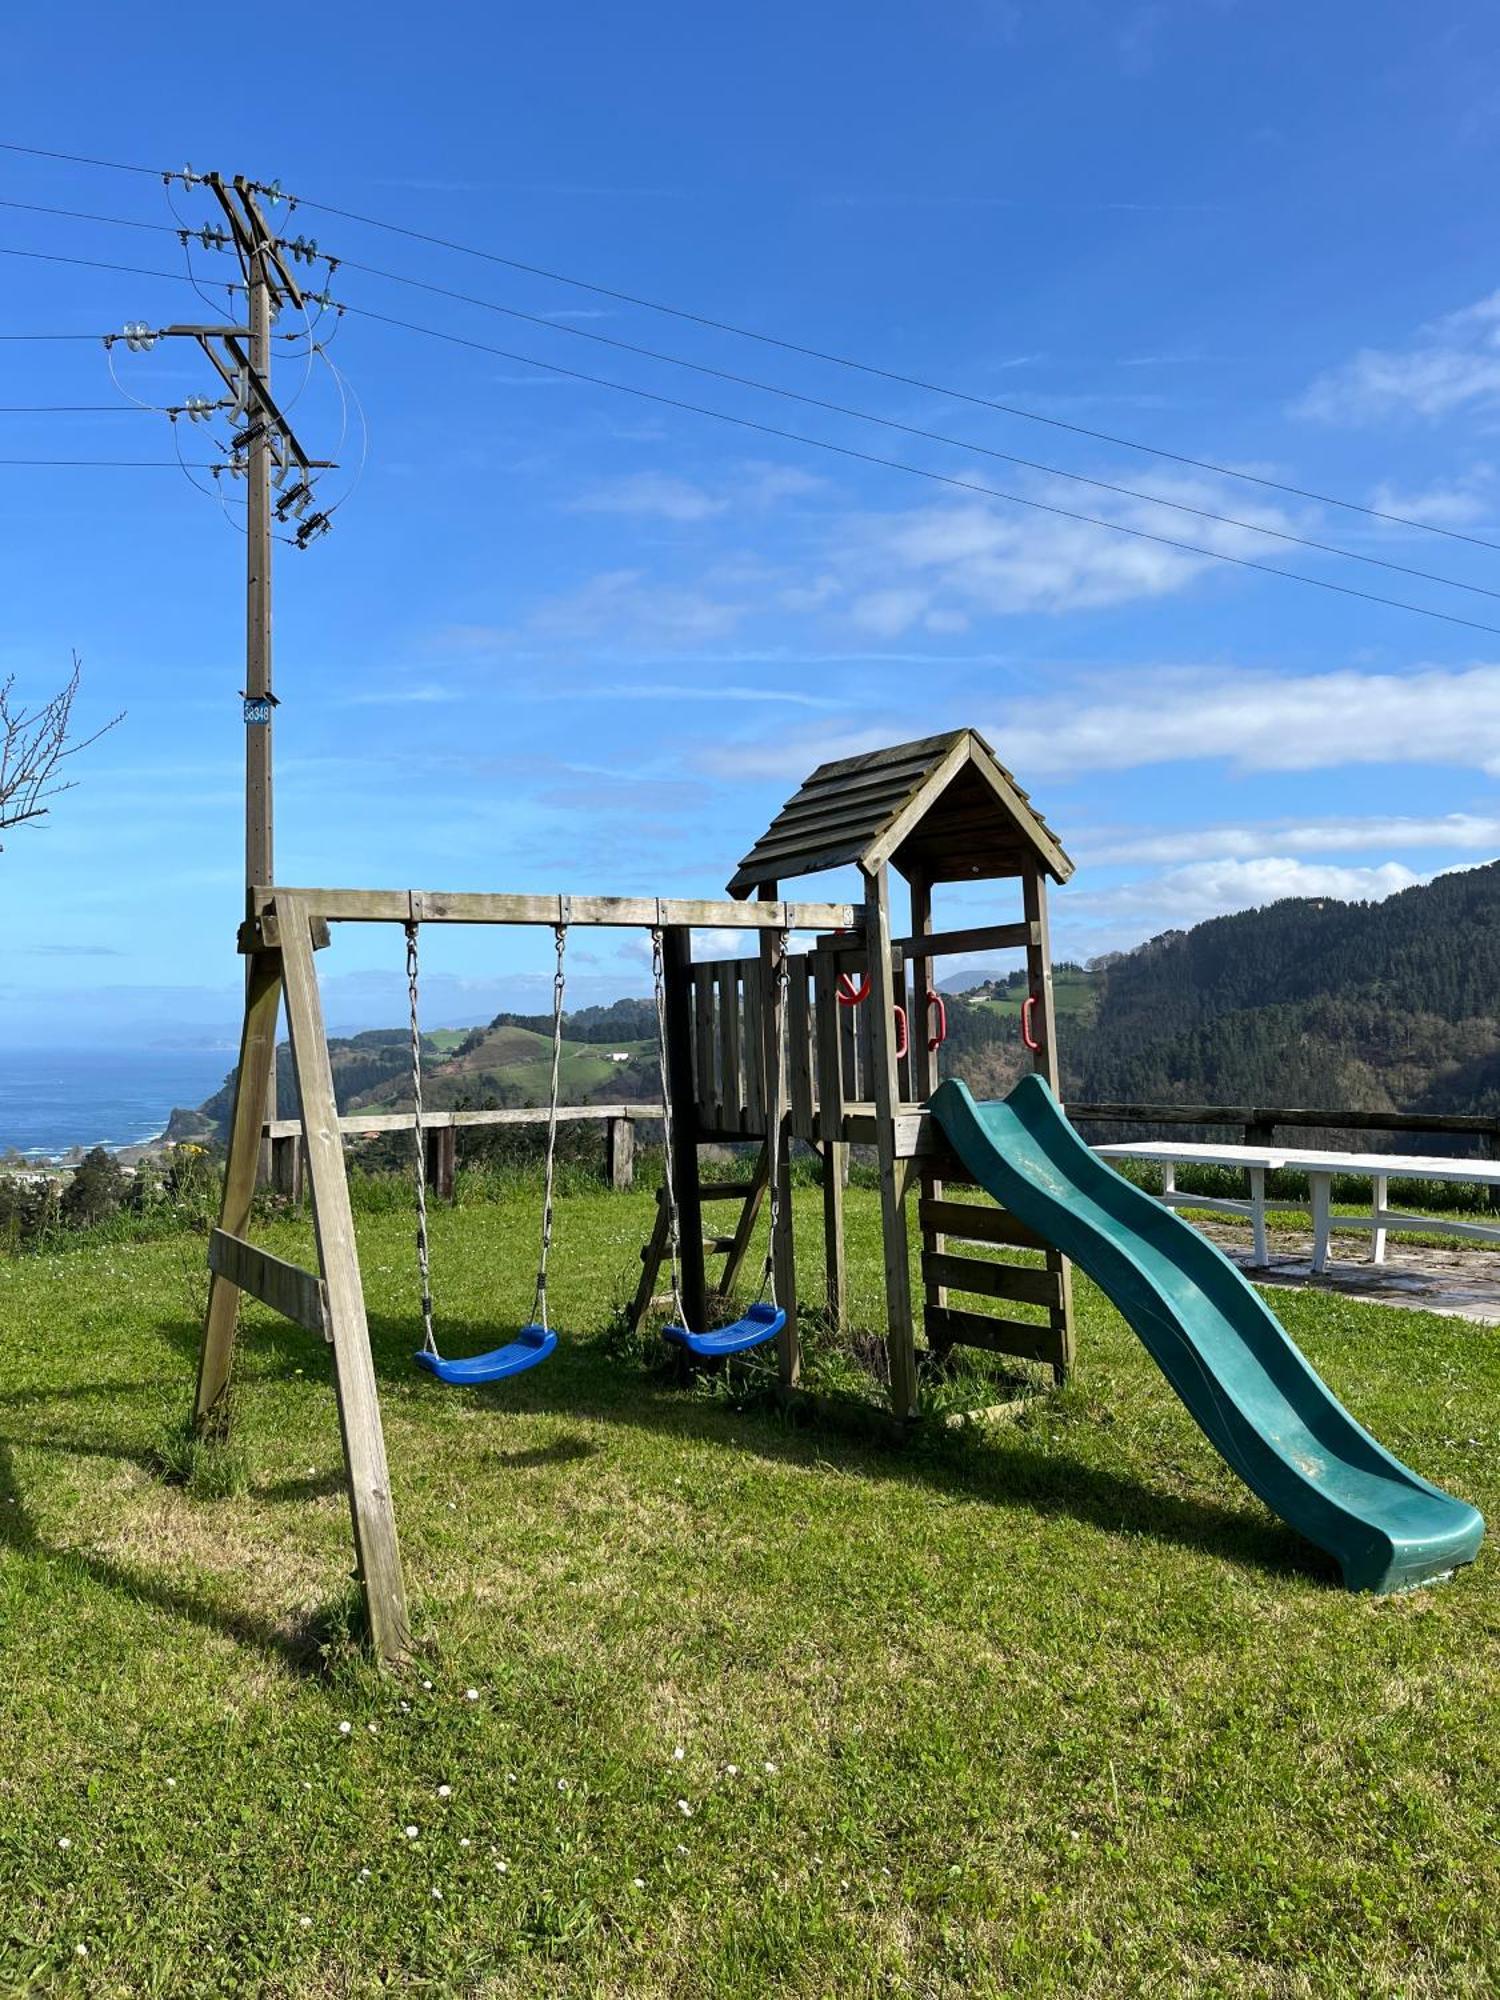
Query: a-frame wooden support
{"type": "Point", "coordinates": [735, 1245]}
{"type": "Point", "coordinates": [281, 964]}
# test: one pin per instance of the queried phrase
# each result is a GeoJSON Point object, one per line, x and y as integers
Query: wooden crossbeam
{"type": "Point", "coordinates": [1026, 1284]}
{"type": "Point", "coordinates": [363, 1123]}
{"type": "Point", "coordinates": [950, 1326]}
{"type": "Point", "coordinates": [296, 1294]}
{"type": "Point", "coordinates": [983, 937]}
{"type": "Point", "coordinates": [434, 906]}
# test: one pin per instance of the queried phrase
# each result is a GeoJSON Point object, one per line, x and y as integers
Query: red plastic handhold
{"type": "Point", "coordinates": [1028, 1009]}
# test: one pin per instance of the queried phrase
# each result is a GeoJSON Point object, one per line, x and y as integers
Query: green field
{"type": "Point", "coordinates": [1075, 997]}
{"type": "Point", "coordinates": [717, 1706]}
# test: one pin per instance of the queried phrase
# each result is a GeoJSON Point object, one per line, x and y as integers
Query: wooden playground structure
{"type": "Point", "coordinates": [836, 1046]}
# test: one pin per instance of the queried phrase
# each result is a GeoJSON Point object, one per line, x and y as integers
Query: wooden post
{"type": "Point", "coordinates": [440, 1159]}
{"type": "Point", "coordinates": [377, 1551]}
{"type": "Point", "coordinates": [286, 1167]}
{"type": "Point", "coordinates": [257, 1054]}
{"type": "Point", "coordinates": [1044, 1028]}
{"type": "Point", "coordinates": [619, 1153]}
{"type": "Point", "coordinates": [901, 1346]}
{"type": "Point", "coordinates": [831, 1122]}
{"type": "Point", "coordinates": [773, 1070]}
{"type": "Point", "coordinates": [677, 968]}
{"type": "Point", "coordinates": [924, 1069]}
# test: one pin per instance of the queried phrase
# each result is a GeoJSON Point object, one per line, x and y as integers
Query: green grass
{"type": "Point", "coordinates": [1075, 997]}
{"type": "Point", "coordinates": [1049, 1708]}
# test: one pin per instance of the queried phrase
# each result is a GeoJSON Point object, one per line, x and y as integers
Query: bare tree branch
{"type": "Point", "coordinates": [35, 743]}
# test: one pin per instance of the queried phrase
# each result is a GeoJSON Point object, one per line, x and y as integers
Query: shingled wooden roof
{"type": "Point", "coordinates": [945, 808]}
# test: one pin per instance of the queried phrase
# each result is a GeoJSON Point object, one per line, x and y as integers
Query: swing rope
{"type": "Point", "coordinates": [419, 1146]}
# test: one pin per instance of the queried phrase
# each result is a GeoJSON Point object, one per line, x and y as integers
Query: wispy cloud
{"type": "Point", "coordinates": [1252, 721]}
{"type": "Point", "coordinates": [1189, 895]}
{"type": "Point", "coordinates": [1466, 833]}
{"type": "Point", "coordinates": [1452, 365]}
{"type": "Point", "coordinates": [652, 495]}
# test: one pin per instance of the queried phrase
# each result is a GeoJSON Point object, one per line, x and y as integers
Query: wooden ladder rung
{"type": "Point", "coordinates": [718, 1246]}
{"type": "Point", "coordinates": [726, 1190]}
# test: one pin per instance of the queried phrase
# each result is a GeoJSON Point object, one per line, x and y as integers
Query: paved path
{"type": "Point", "coordinates": [1464, 1284]}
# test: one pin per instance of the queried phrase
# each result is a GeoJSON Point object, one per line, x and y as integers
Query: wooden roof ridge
{"type": "Point", "coordinates": [867, 808]}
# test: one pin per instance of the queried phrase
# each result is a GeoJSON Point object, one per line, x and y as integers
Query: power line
{"type": "Point", "coordinates": [49, 336]}
{"type": "Point", "coordinates": [119, 464]}
{"type": "Point", "coordinates": [846, 410]}
{"type": "Point", "coordinates": [893, 375]}
{"type": "Point", "coordinates": [78, 159]}
{"type": "Point", "coordinates": [88, 215]}
{"type": "Point", "coordinates": [917, 431]}
{"type": "Point", "coordinates": [821, 354]}
{"type": "Point", "coordinates": [70, 409]}
{"type": "Point", "coordinates": [919, 471]}
{"type": "Point", "coordinates": [99, 264]}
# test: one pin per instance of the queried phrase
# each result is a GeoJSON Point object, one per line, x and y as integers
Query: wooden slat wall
{"type": "Point", "coordinates": [731, 1071]}
{"type": "Point", "coordinates": [752, 1118]}
{"type": "Point", "coordinates": [799, 1048]}
{"type": "Point", "coordinates": [705, 1071]}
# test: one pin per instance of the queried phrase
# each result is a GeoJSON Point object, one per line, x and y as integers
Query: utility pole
{"type": "Point", "coordinates": [265, 452]}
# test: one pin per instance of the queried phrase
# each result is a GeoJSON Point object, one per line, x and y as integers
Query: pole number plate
{"type": "Point", "coordinates": [257, 711]}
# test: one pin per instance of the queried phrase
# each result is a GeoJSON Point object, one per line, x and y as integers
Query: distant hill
{"type": "Point", "coordinates": [1358, 1006]}
{"type": "Point", "coordinates": [1366, 1006]}
{"type": "Point", "coordinates": [608, 1056]}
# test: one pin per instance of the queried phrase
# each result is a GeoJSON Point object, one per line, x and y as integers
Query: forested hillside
{"type": "Point", "coordinates": [1359, 1005]}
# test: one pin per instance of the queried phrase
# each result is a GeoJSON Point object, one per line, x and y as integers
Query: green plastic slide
{"type": "Point", "coordinates": [1246, 1384]}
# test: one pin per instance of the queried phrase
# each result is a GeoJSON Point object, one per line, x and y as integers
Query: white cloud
{"type": "Point", "coordinates": [935, 567]}
{"type": "Point", "coordinates": [622, 604]}
{"type": "Point", "coordinates": [651, 495]}
{"type": "Point", "coordinates": [665, 497]}
{"type": "Point", "coordinates": [1255, 722]}
{"type": "Point", "coordinates": [1466, 833]}
{"type": "Point", "coordinates": [1184, 896]}
{"type": "Point", "coordinates": [1454, 364]}
{"type": "Point", "coordinates": [1456, 506]}
{"type": "Point", "coordinates": [1309, 722]}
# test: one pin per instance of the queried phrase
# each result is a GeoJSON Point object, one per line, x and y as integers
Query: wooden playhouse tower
{"type": "Point", "coordinates": [860, 1041]}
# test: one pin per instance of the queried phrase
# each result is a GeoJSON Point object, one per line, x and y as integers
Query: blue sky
{"type": "Point", "coordinates": [566, 638]}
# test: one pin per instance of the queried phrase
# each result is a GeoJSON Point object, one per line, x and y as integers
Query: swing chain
{"type": "Point", "coordinates": [674, 1226]}
{"type": "Point", "coordinates": [559, 994]}
{"type": "Point", "coordinates": [429, 1339]}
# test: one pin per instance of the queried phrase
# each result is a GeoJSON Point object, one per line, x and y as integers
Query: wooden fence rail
{"type": "Point", "coordinates": [440, 1130]}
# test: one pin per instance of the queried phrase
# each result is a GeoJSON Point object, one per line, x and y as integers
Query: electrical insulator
{"type": "Point", "coordinates": [199, 409]}
{"type": "Point", "coordinates": [314, 526]}
{"type": "Point", "coordinates": [139, 337]}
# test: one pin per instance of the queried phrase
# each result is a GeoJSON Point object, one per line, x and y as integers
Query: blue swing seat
{"type": "Point", "coordinates": [760, 1324]}
{"type": "Point", "coordinates": [531, 1345]}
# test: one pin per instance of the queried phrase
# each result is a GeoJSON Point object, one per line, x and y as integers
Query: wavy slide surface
{"type": "Point", "coordinates": [1245, 1382]}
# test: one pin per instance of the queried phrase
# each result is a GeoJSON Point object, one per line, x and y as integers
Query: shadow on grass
{"type": "Point", "coordinates": [304, 1646]}
{"type": "Point", "coordinates": [1002, 1466]}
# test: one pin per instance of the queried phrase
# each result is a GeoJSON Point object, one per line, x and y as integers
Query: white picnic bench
{"type": "Point", "coordinates": [1320, 1169]}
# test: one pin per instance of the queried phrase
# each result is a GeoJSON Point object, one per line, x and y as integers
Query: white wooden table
{"type": "Point", "coordinates": [1320, 1169]}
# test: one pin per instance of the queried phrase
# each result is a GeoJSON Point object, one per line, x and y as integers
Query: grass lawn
{"type": "Point", "coordinates": [708, 1704]}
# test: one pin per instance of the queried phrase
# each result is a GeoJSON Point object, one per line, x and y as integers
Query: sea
{"type": "Point", "coordinates": [52, 1100]}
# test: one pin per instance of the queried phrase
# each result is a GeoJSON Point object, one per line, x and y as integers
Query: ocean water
{"type": "Point", "coordinates": [55, 1099]}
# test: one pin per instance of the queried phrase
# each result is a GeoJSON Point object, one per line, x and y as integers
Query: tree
{"type": "Point", "coordinates": [35, 743]}
{"type": "Point", "coordinates": [95, 1191]}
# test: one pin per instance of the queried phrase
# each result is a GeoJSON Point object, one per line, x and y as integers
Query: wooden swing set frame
{"type": "Point", "coordinates": [831, 1076]}
{"type": "Point", "coordinates": [284, 929]}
